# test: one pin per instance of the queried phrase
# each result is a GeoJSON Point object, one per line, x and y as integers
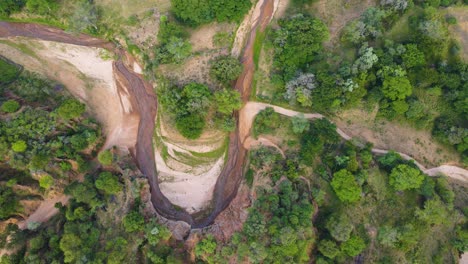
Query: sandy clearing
{"type": "Point", "coordinates": [87, 76]}
{"type": "Point", "coordinates": [188, 190]}
{"type": "Point", "coordinates": [45, 211]}
{"type": "Point", "coordinates": [202, 37]}
{"type": "Point", "coordinates": [250, 110]}
{"type": "Point", "coordinates": [346, 10]}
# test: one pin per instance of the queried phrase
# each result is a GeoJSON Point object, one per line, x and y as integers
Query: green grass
{"type": "Point", "coordinates": [8, 71]}
{"type": "Point", "coordinates": [24, 48]}
{"type": "Point", "coordinates": [257, 48]}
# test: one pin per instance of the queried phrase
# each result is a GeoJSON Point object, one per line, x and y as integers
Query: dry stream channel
{"type": "Point", "coordinates": [140, 95]}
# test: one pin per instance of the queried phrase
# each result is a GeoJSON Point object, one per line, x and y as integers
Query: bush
{"type": "Point", "coordinates": [225, 69]}
{"type": "Point", "coordinates": [19, 146]}
{"type": "Point", "coordinates": [133, 222]}
{"type": "Point", "coordinates": [71, 108]}
{"type": "Point", "coordinates": [345, 186]}
{"type": "Point", "coordinates": [190, 126]}
{"type": "Point", "coordinates": [265, 121]}
{"type": "Point", "coordinates": [46, 181]}
{"type": "Point", "coordinates": [196, 12]}
{"type": "Point", "coordinates": [105, 157]}
{"type": "Point", "coordinates": [328, 248]}
{"type": "Point", "coordinates": [227, 101]}
{"type": "Point", "coordinates": [10, 106]}
{"type": "Point", "coordinates": [404, 177]}
{"type": "Point", "coordinates": [353, 246]}
{"type": "Point", "coordinates": [108, 183]}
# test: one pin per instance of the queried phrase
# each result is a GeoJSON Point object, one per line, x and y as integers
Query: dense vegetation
{"type": "Point", "coordinates": [398, 57]}
{"type": "Point", "coordinates": [48, 146]}
{"type": "Point", "coordinates": [193, 103]}
{"type": "Point", "coordinates": [382, 208]}
{"type": "Point", "coordinates": [196, 12]}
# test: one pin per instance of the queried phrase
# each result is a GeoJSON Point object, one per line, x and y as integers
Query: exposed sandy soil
{"type": "Point", "coordinates": [460, 30]}
{"type": "Point", "coordinates": [194, 69]}
{"type": "Point", "coordinates": [45, 211]}
{"type": "Point", "coordinates": [201, 38]}
{"type": "Point", "coordinates": [86, 76]}
{"type": "Point", "coordinates": [346, 10]}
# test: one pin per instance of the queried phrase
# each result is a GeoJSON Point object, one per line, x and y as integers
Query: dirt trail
{"type": "Point", "coordinates": [251, 109]}
{"type": "Point", "coordinates": [45, 211]}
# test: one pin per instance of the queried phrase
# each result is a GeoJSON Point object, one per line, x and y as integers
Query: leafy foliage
{"type": "Point", "coordinates": [345, 186]}
{"type": "Point", "coordinates": [296, 43]}
{"type": "Point", "coordinates": [404, 177]}
{"type": "Point", "coordinates": [225, 69]}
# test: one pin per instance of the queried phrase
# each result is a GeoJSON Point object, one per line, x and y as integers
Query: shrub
{"type": "Point", "coordinates": [46, 181]}
{"type": "Point", "coordinates": [328, 248]}
{"type": "Point", "coordinates": [404, 177]}
{"type": "Point", "coordinates": [19, 146]}
{"type": "Point", "coordinates": [133, 222]}
{"type": "Point", "coordinates": [71, 108]}
{"type": "Point", "coordinates": [105, 157]}
{"type": "Point", "coordinates": [10, 106]}
{"type": "Point", "coordinates": [345, 186]}
{"type": "Point", "coordinates": [353, 246]}
{"type": "Point", "coordinates": [190, 126]}
{"type": "Point", "coordinates": [108, 183]}
{"type": "Point", "coordinates": [225, 69]}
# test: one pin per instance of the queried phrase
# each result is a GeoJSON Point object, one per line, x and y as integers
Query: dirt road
{"type": "Point", "coordinates": [251, 109]}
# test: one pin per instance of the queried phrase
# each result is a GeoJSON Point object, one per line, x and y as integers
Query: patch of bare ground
{"type": "Point", "coordinates": [201, 38]}
{"type": "Point", "coordinates": [86, 76]}
{"type": "Point", "coordinates": [233, 217]}
{"type": "Point", "coordinates": [460, 30]}
{"type": "Point", "coordinates": [338, 13]}
{"type": "Point", "coordinates": [194, 69]}
{"type": "Point", "coordinates": [418, 144]}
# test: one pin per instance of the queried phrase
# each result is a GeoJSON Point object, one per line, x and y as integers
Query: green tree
{"type": "Point", "coordinates": [297, 41]}
{"type": "Point", "coordinates": [434, 213]}
{"type": "Point", "coordinates": [71, 108]}
{"type": "Point", "coordinates": [397, 88]}
{"type": "Point", "coordinates": [413, 57]}
{"type": "Point", "coordinates": [105, 157]}
{"type": "Point", "coordinates": [46, 181]}
{"type": "Point", "coordinates": [71, 246]}
{"type": "Point", "coordinates": [205, 248]}
{"type": "Point", "coordinates": [328, 248]}
{"type": "Point", "coordinates": [133, 222]}
{"type": "Point", "coordinates": [190, 126]}
{"type": "Point", "coordinates": [193, 12]}
{"type": "Point", "coordinates": [340, 227]}
{"type": "Point", "coordinates": [19, 146]}
{"type": "Point", "coordinates": [227, 100]}
{"type": "Point", "coordinates": [404, 177]}
{"type": "Point", "coordinates": [353, 246]}
{"type": "Point", "coordinates": [108, 182]}
{"type": "Point", "coordinates": [10, 6]}
{"type": "Point", "coordinates": [9, 203]}
{"type": "Point", "coordinates": [10, 106]}
{"type": "Point", "coordinates": [225, 69]}
{"type": "Point", "coordinates": [345, 186]}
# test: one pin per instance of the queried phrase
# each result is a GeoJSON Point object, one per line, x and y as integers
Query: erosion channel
{"type": "Point", "coordinates": [144, 105]}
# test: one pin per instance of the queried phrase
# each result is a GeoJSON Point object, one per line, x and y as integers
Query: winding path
{"type": "Point", "coordinates": [251, 109]}
{"type": "Point", "coordinates": [144, 105]}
